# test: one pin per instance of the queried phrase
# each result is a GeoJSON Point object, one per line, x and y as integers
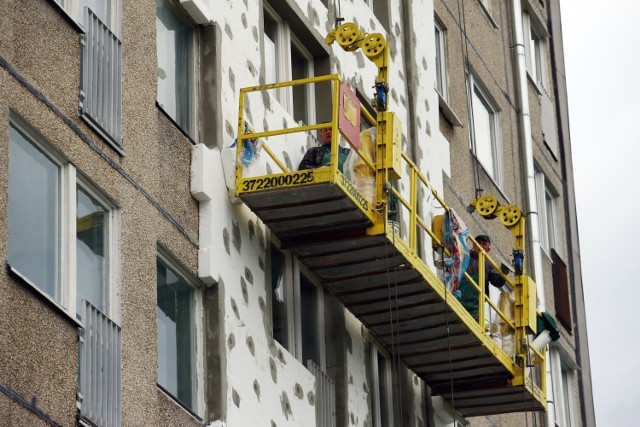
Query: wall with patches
{"type": "Point", "coordinates": [265, 384]}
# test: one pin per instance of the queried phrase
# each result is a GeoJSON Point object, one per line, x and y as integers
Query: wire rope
{"type": "Point", "coordinates": [466, 69]}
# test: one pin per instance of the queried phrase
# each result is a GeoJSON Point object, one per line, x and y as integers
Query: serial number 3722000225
{"type": "Point", "coordinates": [277, 181]}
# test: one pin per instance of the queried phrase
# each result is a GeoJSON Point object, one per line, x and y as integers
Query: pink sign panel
{"type": "Point", "coordinates": [349, 115]}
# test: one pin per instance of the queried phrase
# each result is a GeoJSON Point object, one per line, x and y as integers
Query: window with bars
{"type": "Point", "coordinates": [62, 241]}
{"type": "Point", "coordinates": [101, 74]}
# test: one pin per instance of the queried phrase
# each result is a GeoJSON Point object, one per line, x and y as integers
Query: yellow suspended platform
{"type": "Point", "coordinates": [342, 238]}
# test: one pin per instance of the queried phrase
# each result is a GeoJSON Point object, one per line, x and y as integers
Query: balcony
{"type": "Point", "coordinates": [382, 273]}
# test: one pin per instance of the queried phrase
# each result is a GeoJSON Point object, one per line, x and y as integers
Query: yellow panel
{"type": "Point", "coordinates": [393, 139]}
{"type": "Point", "coordinates": [529, 305]}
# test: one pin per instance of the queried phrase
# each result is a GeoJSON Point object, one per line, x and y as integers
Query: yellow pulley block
{"type": "Point", "coordinates": [349, 36]}
{"type": "Point", "coordinates": [510, 215]}
{"type": "Point", "coordinates": [373, 45]}
{"type": "Point", "coordinates": [486, 206]}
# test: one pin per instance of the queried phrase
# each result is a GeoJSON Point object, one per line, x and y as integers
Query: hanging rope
{"type": "Point", "coordinates": [464, 44]}
{"type": "Point", "coordinates": [393, 311]}
{"type": "Point", "coordinates": [446, 316]}
{"type": "Point", "coordinates": [338, 12]}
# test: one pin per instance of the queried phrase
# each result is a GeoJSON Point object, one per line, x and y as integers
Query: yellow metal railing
{"type": "Point", "coordinates": [406, 241]}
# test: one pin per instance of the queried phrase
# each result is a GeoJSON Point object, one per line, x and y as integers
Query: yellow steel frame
{"type": "Point", "coordinates": [525, 289]}
{"type": "Point", "coordinates": [286, 178]}
{"type": "Point", "coordinates": [388, 165]}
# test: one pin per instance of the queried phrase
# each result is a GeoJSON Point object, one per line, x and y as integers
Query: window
{"type": "Point", "coordinates": [486, 143]}
{"type": "Point", "coordinates": [297, 307]}
{"type": "Point", "coordinates": [175, 48]}
{"type": "Point", "coordinates": [566, 394]}
{"type": "Point", "coordinates": [101, 77]}
{"type": "Point", "coordinates": [49, 203]}
{"type": "Point", "coordinates": [562, 376]}
{"type": "Point", "coordinates": [380, 387]}
{"type": "Point", "coordinates": [179, 308]}
{"type": "Point", "coordinates": [547, 205]}
{"type": "Point", "coordinates": [380, 9]}
{"type": "Point", "coordinates": [561, 298]}
{"type": "Point", "coordinates": [279, 297]}
{"type": "Point", "coordinates": [441, 61]}
{"type": "Point", "coordinates": [534, 42]}
{"type": "Point", "coordinates": [286, 58]}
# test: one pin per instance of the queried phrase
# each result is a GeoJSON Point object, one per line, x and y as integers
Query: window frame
{"type": "Point", "coordinates": [379, 391]}
{"type": "Point", "coordinates": [191, 129]}
{"type": "Point", "coordinates": [293, 273]}
{"type": "Point", "coordinates": [547, 199]}
{"type": "Point", "coordinates": [562, 378]}
{"type": "Point", "coordinates": [286, 41]}
{"type": "Point", "coordinates": [475, 88]}
{"type": "Point", "coordinates": [197, 320]}
{"type": "Point", "coordinates": [70, 180]}
{"type": "Point", "coordinates": [442, 77]}
{"type": "Point", "coordinates": [535, 42]}
{"type": "Point", "coordinates": [380, 9]}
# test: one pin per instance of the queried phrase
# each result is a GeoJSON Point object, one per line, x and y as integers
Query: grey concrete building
{"type": "Point", "coordinates": [140, 287]}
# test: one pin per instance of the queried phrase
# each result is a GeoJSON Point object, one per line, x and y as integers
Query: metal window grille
{"type": "Point", "coordinates": [100, 373]}
{"type": "Point", "coordinates": [325, 396]}
{"type": "Point", "coordinates": [101, 92]}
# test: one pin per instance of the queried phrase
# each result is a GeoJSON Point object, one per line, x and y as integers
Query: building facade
{"type": "Point", "coordinates": [141, 289]}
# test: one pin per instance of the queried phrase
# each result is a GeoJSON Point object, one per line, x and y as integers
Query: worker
{"type": "Point", "coordinates": [468, 295]}
{"type": "Point", "coordinates": [316, 157]}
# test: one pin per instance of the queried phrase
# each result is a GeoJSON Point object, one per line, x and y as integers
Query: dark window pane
{"type": "Point", "coordinates": [278, 297]}
{"type": "Point", "coordinates": [299, 70]}
{"type": "Point", "coordinates": [309, 321]}
{"type": "Point", "coordinates": [176, 358]}
{"type": "Point", "coordinates": [174, 47]}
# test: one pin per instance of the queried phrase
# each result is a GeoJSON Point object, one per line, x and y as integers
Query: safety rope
{"type": "Point", "coordinates": [508, 93]}
{"type": "Point", "coordinates": [446, 316]}
{"type": "Point", "coordinates": [338, 12]}
{"type": "Point", "coordinates": [464, 45]}
{"type": "Point", "coordinates": [395, 329]}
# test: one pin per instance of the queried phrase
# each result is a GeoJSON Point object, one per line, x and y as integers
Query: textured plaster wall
{"type": "Point", "coordinates": [41, 361]}
{"type": "Point", "coordinates": [490, 58]}
{"type": "Point", "coordinates": [264, 383]}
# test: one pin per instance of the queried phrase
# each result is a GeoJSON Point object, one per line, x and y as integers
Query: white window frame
{"type": "Point", "coordinates": [562, 380]}
{"type": "Point", "coordinates": [285, 39]}
{"type": "Point", "coordinates": [547, 213]}
{"type": "Point", "coordinates": [198, 333]}
{"type": "Point", "coordinates": [67, 280]}
{"type": "Point", "coordinates": [377, 395]}
{"type": "Point", "coordinates": [535, 49]}
{"type": "Point", "coordinates": [474, 88]}
{"type": "Point", "coordinates": [293, 269]}
{"type": "Point", "coordinates": [192, 126]}
{"type": "Point", "coordinates": [442, 80]}
{"type": "Point", "coordinates": [487, 6]}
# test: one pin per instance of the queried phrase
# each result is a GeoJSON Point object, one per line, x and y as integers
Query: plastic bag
{"type": "Point", "coordinates": [357, 170]}
{"type": "Point", "coordinates": [500, 330]}
{"type": "Point", "coordinates": [250, 147]}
